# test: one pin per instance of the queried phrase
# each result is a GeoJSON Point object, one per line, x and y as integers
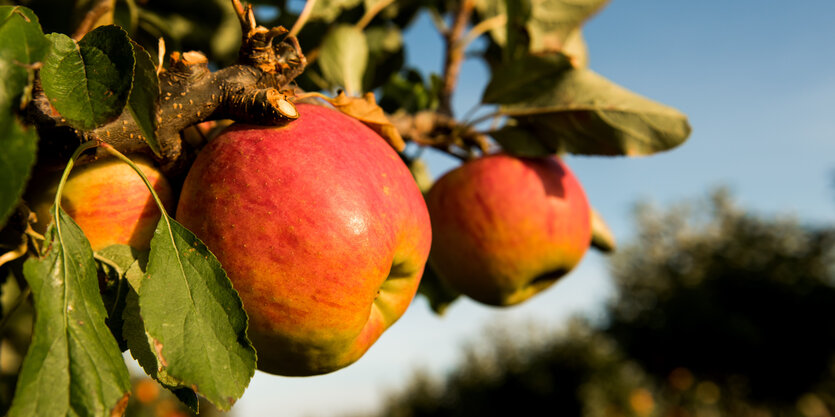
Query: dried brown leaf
{"type": "Point", "coordinates": [366, 110]}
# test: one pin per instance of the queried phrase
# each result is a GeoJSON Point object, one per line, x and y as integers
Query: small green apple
{"type": "Point", "coordinates": [321, 229]}
{"type": "Point", "coordinates": [107, 199]}
{"type": "Point", "coordinates": [505, 228]}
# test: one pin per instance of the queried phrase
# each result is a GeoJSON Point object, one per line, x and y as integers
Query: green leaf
{"type": "Point", "coordinates": [385, 55]}
{"type": "Point", "coordinates": [344, 57]}
{"type": "Point", "coordinates": [210, 26]}
{"type": "Point", "coordinates": [519, 80]}
{"type": "Point", "coordinates": [143, 96]}
{"type": "Point", "coordinates": [537, 26]}
{"type": "Point", "coordinates": [511, 36]}
{"type": "Point", "coordinates": [114, 262]}
{"type": "Point", "coordinates": [137, 340]}
{"type": "Point", "coordinates": [408, 91]}
{"type": "Point", "coordinates": [488, 9]}
{"type": "Point", "coordinates": [587, 114]}
{"type": "Point", "coordinates": [18, 149]}
{"type": "Point", "coordinates": [193, 318]}
{"type": "Point", "coordinates": [516, 43]}
{"type": "Point", "coordinates": [438, 295]}
{"type": "Point", "coordinates": [134, 328]}
{"type": "Point", "coordinates": [126, 15]}
{"type": "Point", "coordinates": [225, 34]}
{"type": "Point", "coordinates": [119, 257]}
{"type": "Point", "coordinates": [576, 50]}
{"type": "Point", "coordinates": [23, 44]}
{"type": "Point", "coordinates": [552, 21]}
{"type": "Point", "coordinates": [383, 40]}
{"type": "Point", "coordinates": [522, 141]}
{"type": "Point", "coordinates": [73, 366]}
{"type": "Point", "coordinates": [89, 82]}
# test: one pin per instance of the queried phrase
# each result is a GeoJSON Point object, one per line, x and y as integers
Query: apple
{"type": "Point", "coordinates": [321, 229]}
{"type": "Point", "coordinates": [505, 228]}
{"type": "Point", "coordinates": [108, 200]}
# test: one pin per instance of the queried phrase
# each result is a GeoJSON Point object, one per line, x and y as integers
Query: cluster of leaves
{"type": "Point", "coordinates": [551, 102]}
{"type": "Point", "coordinates": [157, 303]}
{"type": "Point", "coordinates": [554, 103]}
{"type": "Point", "coordinates": [89, 83]}
{"type": "Point", "coordinates": [166, 298]}
{"type": "Point", "coordinates": [717, 312]}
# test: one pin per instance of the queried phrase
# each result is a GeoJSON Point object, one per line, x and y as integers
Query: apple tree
{"type": "Point", "coordinates": [106, 105]}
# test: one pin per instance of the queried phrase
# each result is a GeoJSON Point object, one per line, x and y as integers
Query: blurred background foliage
{"type": "Point", "coordinates": [717, 312]}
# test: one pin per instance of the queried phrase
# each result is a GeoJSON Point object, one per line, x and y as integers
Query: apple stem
{"type": "Point", "coordinates": [371, 12]}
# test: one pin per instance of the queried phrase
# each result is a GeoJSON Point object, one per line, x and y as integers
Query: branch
{"type": "Point", "coordinates": [250, 91]}
{"type": "Point", "coordinates": [16, 253]}
{"type": "Point", "coordinates": [442, 132]}
{"type": "Point", "coordinates": [372, 12]}
{"type": "Point", "coordinates": [481, 28]}
{"type": "Point", "coordinates": [303, 16]}
{"type": "Point", "coordinates": [454, 54]}
{"type": "Point", "coordinates": [94, 18]}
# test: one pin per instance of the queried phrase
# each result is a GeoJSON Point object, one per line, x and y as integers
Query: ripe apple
{"type": "Point", "coordinates": [321, 229]}
{"type": "Point", "coordinates": [505, 228]}
{"type": "Point", "coordinates": [108, 200]}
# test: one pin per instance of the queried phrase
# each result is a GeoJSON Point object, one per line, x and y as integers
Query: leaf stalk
{"type": "Point", "coordinates": [111, 150]}
{"type": "Point", "coordinates": [303, 17]}
{"type": "Point", "coordinates": [372, 12]}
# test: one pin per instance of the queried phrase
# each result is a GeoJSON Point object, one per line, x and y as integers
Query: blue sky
{"type": "Point", "coordinates": [756, 78]}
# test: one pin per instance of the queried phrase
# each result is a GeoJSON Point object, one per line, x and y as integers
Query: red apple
{"type": "Point", "coordinates": [505, 228]}
{"type": "Point", "coordinates": [321, 229]}
{"type": "Point", "coordinates": [108, 200]}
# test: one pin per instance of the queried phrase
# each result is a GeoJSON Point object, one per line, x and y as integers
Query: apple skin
{"type": "Point", "coordinates": [108, 200]}
{"type": "Point", "coordinates": [505, 228]}
{"type": "Point", "coordinates": [321, 229]}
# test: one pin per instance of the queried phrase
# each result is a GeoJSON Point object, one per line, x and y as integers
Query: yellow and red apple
{"type": "Point", "coordinates": [108, 200]}
{"type": "Point", "coordinates": [321, 229]}
{"type": "Point", "coordinates": [505, 228]}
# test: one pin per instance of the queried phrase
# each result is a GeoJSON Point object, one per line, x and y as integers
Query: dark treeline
{"type": "Point", "coordinates": [718, 312]}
